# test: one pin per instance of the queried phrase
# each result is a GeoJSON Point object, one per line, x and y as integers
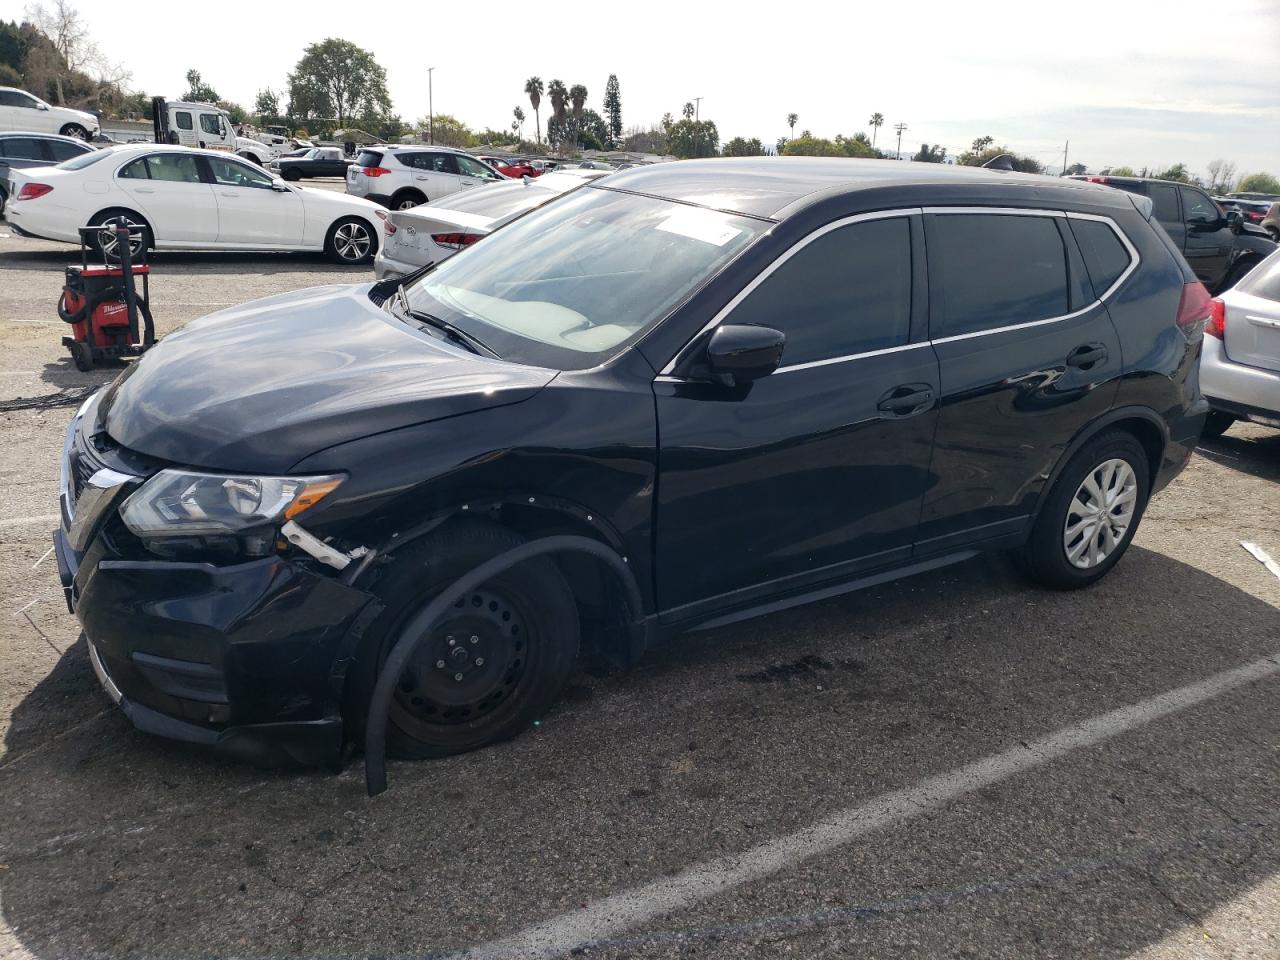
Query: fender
{"type": "Point", "coordinates": [1091, 430]}
{"type": "Point", "coordinates": [375, 742]}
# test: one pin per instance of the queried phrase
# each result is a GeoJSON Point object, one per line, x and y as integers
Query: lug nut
{"type": "Point", "coordinates": [457, 676]}
{"type": "Point", "coordinates": [475, 639]}
{"type": "Point", "coordinates": [452, 641]}
{"type": "Point", "coordinates": [479, 661]}
{"type": "Point", "coordinates": [439, 664]}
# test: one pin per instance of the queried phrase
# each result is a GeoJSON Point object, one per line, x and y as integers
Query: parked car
{"type": "Point", "coordinates": [403, 177]}
{"type": "Point", "coordinates": [315, 162]}
{"type": "Point", "coordinates": [1240, 369]}
{"type": "Point", "coordinates": [420, 236]}
{"type": "Point", "coordinates": [711, 414]}
{"type": "Point", "coordinates": [1219, 250]}
{"type": "Point", "coordinates": [24, 111]}
{"type": "Point", "coordinates": [512, 167]}
{"type": "Point", "coordinates": [1253, 196]}
{"type": "Point", "coordinates": [22, 151]}
{"type": "Point", "coordinates": [1253, 211]}
{"type": "Point", "coordinates": [189, 199]}
{"type": "Point", "coordinates": [1271, 222]}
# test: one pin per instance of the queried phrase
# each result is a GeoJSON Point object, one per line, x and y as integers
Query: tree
{"type": "Point", "coordinates": [792, 118]}
{"type": "Point", "coordinates": [1259, 183]}
{"type": "Point", "coordinates": [613, 108]}
{"type": "Point", "coordinates": [980, 145]}
{"type": "Point", "coordinates": [517, 121]}
{"type": "Point", "coordinates": [198, 91]}
{"type": "Point", "coordinates": [449, 130]}
{"type": "Point", "coordinates": [1074, 170]}
{"type": "Point", "coordinates": [928, 154]}
{"type": "Point", "coordinates": [693, 138]}
{"type": "Point", "coordinates": [559, 94]}
{"type": "Point", "coordinates": [857, 146]}
{"type": "Point", "coordinates": [337, 79]}
{"type": "Point", "coordinates": [578, 99]}
{"type": "Point", "coordinates": [266, 105]}
{"type": "Point", "coordinates": [688, 110]}
{"type": "Point", "coordinates": [811, 146]}
{"type": "Point", "coordinates": [640, 140]}
{"type": "Point", "coordinates": [533, 87]}
{"type": "Point", "coordinates": [976, 158]}
{"type": "Point", "coordinates": [876, 121]}
{"type": "Point", "coordinates": [1177, 172]}
{"type": "Point", "coordinates": [740, 147]}
{"type": "Point", "coordinates": [1120, 172]}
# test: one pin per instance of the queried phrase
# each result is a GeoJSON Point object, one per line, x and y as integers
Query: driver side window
{"type": "Point", "coordinates": [473, 168]}
{"type": "Point", "coordinates": [1198, 208]}
{"type": "Point", "coordinates": [229, 173]}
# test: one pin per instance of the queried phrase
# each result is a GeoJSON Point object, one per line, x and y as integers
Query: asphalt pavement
{"type": "Point", "coordinates": [955, 765]}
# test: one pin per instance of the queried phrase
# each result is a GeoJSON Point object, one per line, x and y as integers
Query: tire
{"type": "Point", "coordinates": [1216, 424]}
{"type": "Point", "coordinates": [252, 158]}
{"type": "Point", "coordinates": [406, 199]}
{"type": "Point", "coordinates": [293, 176]}
{"type": "Point", "coordinates": [81, 356]}
{"type": "Point", "coordinates": [4, 198]}
{"type": "Point", "coordinates": [104, 245]}
{"type": "Point", "coordinates": [1275, 234]}
{"type": "Point", "coordinates": [1117, 465]}
{"type": "Point", "coordinates": [1236, 273]}
{"type": "Point", "coordinates": [74, 130]}
{"type": "Point", "coordinates": [525, 626]}
{"type": "Point", "coordinates": [351, 241]}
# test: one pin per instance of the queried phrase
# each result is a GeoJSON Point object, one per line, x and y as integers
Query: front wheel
{"type": "Point", "coordinates": [75, 130]}
{"type": "Point", "coordinates": [1091, 513]}
{"type": "Point", "coordinates": [351, 241]}
{"type": "Point", "coordinates": [495, 662]}
{"type": "Point", "coordinates": [1216, 424]}
{"type": "Point", "coordinates": [293, 176]}
{"type": "Point", "coordinates": [106, 241]}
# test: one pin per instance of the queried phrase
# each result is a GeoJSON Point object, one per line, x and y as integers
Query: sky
{"type": "Point", "coordinates": [1141, 85]}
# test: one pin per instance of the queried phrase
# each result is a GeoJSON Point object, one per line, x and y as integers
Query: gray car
{"type": "Point", "coordinates": [18, 151]}
{"type": "Point", "coordinates": [1240, 367]}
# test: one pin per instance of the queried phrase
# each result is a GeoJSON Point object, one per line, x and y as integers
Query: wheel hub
{"type": "Point", "coordinates": [1100, 513]}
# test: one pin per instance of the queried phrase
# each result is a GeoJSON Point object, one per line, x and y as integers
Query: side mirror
{"type": "Point", "coordinates": [43, 106]}
{"type": "Point", "coordinates": [279, 186]}
{"type": "Point", "coordinates": [1234, 219]}
{"type": "Point", "coordinates": [740, 353]}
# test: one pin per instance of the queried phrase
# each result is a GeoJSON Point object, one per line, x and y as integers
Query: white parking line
{"type": "Point", "coordinates": [622, 911]}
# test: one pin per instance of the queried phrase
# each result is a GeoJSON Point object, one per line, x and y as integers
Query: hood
{"type": "Point", "coordinates": [261, 386]}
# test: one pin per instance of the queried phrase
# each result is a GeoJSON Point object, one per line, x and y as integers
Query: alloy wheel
{"type": "Point", "coordinates": [352, 242]}
{"type": "Point", "coordinates": [407, 204]}
{"type": "Point", "coordinates": [1100, 513]}
{"type": "Point", "coordinates": [107, 237]}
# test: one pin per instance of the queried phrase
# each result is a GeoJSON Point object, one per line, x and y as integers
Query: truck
{"type": "Point", "coordinates": [206, 126]}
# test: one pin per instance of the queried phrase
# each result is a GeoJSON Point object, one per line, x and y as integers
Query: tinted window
{"type": "Point", "coordinates": [232, 174]}
{"type": "Point", "coordinates": [369, 158]}
{"type": "Point", "coordinates": [209, 124]}
{"type": "Point", "coordinates": [1164, 199]}
{"type": "Point", "coordinates": [474, 168]}
{"type": "Point", "coordinates": [173, 167]}
{"type": "Point", "coordinates": [988, 271]}
{"type": "Point", "coordinates": [847, 292]}
{"type": "Point", "coordinates": [184, 120]}
{"type": "Point", "coordinates": [1263, 280]}
{"type": "Point", "coordinates": [21, 148]}
{"type": "Point", "coordinates": [83, 160]}
{"type": "Point", "coordinates": [1198, 208]}
{"type": "Point", "coordinates": [12, 98]}
{"type": "Point", "coordinates": [65, 150]}
{"type": "Point", "coordinates": [437, 162]}
{"type": "Point", "coordinates": [1105, 257]}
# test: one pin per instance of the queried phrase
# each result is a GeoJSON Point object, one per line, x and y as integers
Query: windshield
{"type": "Point", "coordinates": [568, 285]}
{"type": "Point", "coordinates": [83, 160]}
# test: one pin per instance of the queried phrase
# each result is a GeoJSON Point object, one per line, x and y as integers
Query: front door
{"type": "Point", "coordinates": [473, 173]}
{"type": "Point", "coordinates": [1027, 358]}
{"type": "Point", "coordinates": [21, 111]}
{"type": "Point", "coordinates": [1210, 239]}
{"type": "Point", "coordinates": [250, 210]}
{"type": "Point", "coordinates": [169, 191]}
{"type": "Point", "coordinates": [814, 473]}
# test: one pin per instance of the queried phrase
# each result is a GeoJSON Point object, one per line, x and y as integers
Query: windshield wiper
{"type": "Point", "coordinates": [451, 332]}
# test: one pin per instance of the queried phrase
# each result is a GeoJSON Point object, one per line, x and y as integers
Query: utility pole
{"type": "Point", "coordinates": [431, 109]}
{"type": "Point", "coordinates": [1064, 157]}
{"type": "Point", "coordinates": [899, 127]}
{"type": "Point", "coordinates": [697, 119]}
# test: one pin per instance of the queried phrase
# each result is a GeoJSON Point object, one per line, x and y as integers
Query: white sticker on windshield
{"type": "Point", "coordinates": [704, 225]}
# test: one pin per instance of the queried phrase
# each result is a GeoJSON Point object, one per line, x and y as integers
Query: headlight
{"type": "Point", "coordinates": [183, 503]}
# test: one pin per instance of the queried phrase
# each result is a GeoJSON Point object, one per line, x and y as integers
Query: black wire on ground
{"type": "Point", "coordinates": [49, 401]}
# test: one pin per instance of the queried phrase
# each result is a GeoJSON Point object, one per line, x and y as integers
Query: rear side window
{"type": "Point", "coordinates": [137, 170]}
{"type": "Point", "coordinates": [369, 158]}
{"type": "Point", "coordinates": [847, 292]}
{"type": "Point", "coordinates": [1263, 280]}
{"type": "Point", "coordinates": [184, 120]}
{"type": "Point", "coordinates": [1105, 257]}
{"type": "Point", "coordinates": [63, 150]}
{"type": "Point", "coordinates": [1164, 201]}
{"type": "Point", "coordinates": [21, 148]}
{"type": "Point", "coordinates": [992, 270]}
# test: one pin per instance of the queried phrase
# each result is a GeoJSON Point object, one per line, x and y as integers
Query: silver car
{"type": "Point", "coordinates": [1240, 366]}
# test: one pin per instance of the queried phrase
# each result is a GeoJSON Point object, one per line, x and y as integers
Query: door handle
{"type": "Point", "coordinates": [1086, 355]}
{"type": "Point", "coordinates": [906, 400]}
{"type": "Point", "coordinates": [229, 193]}
{"type": "Point", "coordinates": [144, 189]}
{"type": "Point", "coordinates": [420, 177]}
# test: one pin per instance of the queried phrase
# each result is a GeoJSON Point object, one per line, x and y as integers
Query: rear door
{"type": "Point", "coordinates": [21, 111]}
{"type": "Point", "coordinates": [435, 174]}
{"type": "Point", "coordinates": [814, 473]}
{"type": "Point", "coordinates": [170, 191]}
{"type": "Point", "coordinates": [250, 211]}
{"type": "Point", "coordinates": [1166, 210]}
{"type": "Point", "coordinates": [473, 173]}
{"type": "Point", "coordinates": [1027, 357]}
{"type": "Point", "coordinates": [1209, 239]}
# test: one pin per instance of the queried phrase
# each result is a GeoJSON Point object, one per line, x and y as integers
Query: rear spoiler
{"type": "Point", "coordinates": [1143, 204]}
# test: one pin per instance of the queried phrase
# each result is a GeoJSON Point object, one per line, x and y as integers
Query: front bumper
{"type": "Point", "coordinates": [248, 659]}
{"type": "Point", "coordinates": [1250, 393]}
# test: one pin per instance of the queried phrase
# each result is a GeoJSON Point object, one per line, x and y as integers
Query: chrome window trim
{"type": "Point", "coordinates": [1135, 260]}
{"type": "Point", "coordinates": [767, 272]}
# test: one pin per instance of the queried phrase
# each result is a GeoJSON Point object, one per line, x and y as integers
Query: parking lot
{"type": "Point", "coordinates": [956, 765]}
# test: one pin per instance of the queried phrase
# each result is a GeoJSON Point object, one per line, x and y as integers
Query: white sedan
{"type": "Point", "coordinates": [187, 199]}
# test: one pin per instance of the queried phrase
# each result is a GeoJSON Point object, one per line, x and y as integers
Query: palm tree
{"type": "Point", "coordinates": [533, 87]}
{"type": "Point", "coordinates": [876, 121]}
{"type": "Point", "coordinates": [578, 96]}
{"type": "Point", "coordinates": [518, 123]}
{"type": "Point", "coordinates": [687, 110]}
{"type": "Point", "coordinates": [791, 122]}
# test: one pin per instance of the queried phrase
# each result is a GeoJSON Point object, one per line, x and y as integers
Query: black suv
{"type": "Point", "coordinates": [1220, 245]}
{"type": "Point", "coordinates": [721, 388]}
{"type": "Point", "coordinates": [18, 151]}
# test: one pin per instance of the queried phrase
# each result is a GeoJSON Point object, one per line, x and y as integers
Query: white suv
{"type": "Point", "coordinates": [24, 111]}
{"type": "Point", "coordinates": [403, 177]}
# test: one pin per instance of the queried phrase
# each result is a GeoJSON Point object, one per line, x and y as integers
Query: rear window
{"type": "Point", "coordinates": [992, 270]}
{"type": "Point", "coordinates": [82, 161]}
{"type": "Point", "coordinates": [369, 158]}
{"type": "Point", "coordinates": [65, 149]}
{"type": "Point", "coordinates": [1105, 257]}
{"type": "Point", "coordinates": [1263, 280]}
{"type": "Point", "coordinates": [1164, 201]}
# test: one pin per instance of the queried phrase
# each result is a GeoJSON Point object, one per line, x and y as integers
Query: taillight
{"type": "Point", "coordinates": [1098, 179]}
{"type": "Point", "coordinates": [1217, 326]}
{"type": "Point", "coordinates": [374, 171]}
{"type": "Point", "coordinates": [1194, 309]}
{"type": "Point", "coordinates": [388, 227]}
{"type": "Point", "coordinates": [456, 240]}
{"type": "Point", "coordinates": [31, 191]}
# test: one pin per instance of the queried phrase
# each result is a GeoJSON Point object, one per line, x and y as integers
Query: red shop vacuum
{"type": "Point", "coordinates": [102, 301]}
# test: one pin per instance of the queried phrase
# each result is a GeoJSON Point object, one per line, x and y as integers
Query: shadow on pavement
{"type": "Point", "coordinates": [117, 844]}
{"type": "Point", "coordinates": [1254, 453]}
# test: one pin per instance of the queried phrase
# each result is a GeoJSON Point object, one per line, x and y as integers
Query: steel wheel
{"type": "Point", "coordinates": [1100, 513]}
{"type": "Point", "coordinates": [352, 242]}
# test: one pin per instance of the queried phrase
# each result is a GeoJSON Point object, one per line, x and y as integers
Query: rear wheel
{"type": "Point", "coordinates": [1091, 513]}
{"type": "Point", "coordinates": [406, 199]}
{"type": "Point", "coordinates": [75, 130]}
{"type": "Point", "coordinates": [1216, 424]}
{"type": "Point", "coordinates": [293, 176]}
{"type": "Point", "coordinates": [492, 665]}
{"type": "Point", "coordinates": [106, 240]}
{"type": "Point", "coordinates": [351, 241]}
